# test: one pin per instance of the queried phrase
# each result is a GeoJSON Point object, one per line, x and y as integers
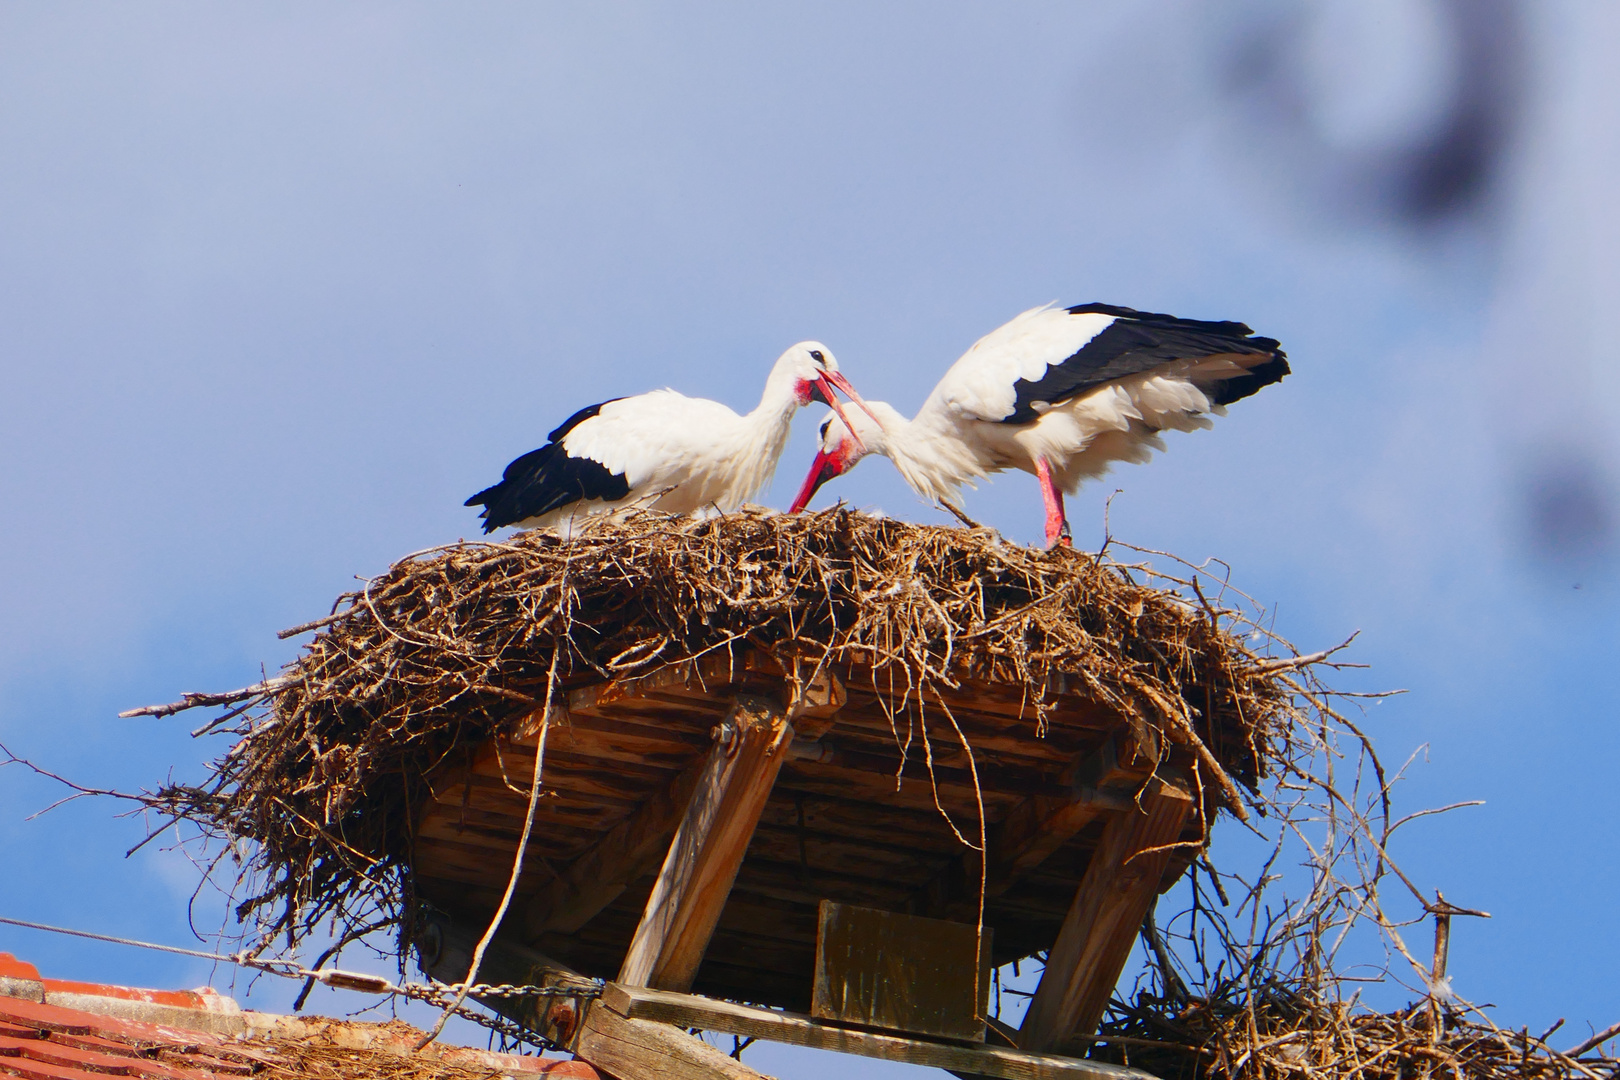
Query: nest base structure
{"type": "Point", "coordinates": [691, 822]}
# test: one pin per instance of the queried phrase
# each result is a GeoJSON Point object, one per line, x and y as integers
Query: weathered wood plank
{"type": "Point", "coordinates": [493, 797]}
{"type": "Point", "coordinates": [762, 916]}
{"type": "Point", "coordinates": [635, 1049]}
{"type": "Point", "coordinates": [817, 704]}
{"type": "Point", "coordinates": [1005, 705]}
{"type": "Point", "coordinates": [557, 846]}
{"type": "Point", "coordinates": [1119, 884]}
{"type": "Point", "coordinates": [473, 864]}
{"type": "Point", "coordinates": [579, 776]}
{"type": "Point", "coordinates": [687, 1010]}
{"type": "Point", "coordinates": [877, 786]}
{"type": "Point", "coordinates": [629, 776]}
{"type": "Point", "coordinates": [628, 747]}
{"type": "Point", "coordinates": [784, 881]}
{"type": "Point", "coordinates": [693, 736]}
{"type": "Point", "coordinates": [707, 675]}
{"type": "Point", "coordinates": [990, 739]}
{"type": "Point", "coordinates": [900, 972]}
{"type": "Point", "coordinates": [822, 851]}
{"type": "Point", "coordinates": [1102, 781]}
{"type": "Point", "coordinates": [707, 849]}
{"type": "Point", "coordinates": [1099, 783]}
{"type": "Point", "coordinates": [881, 760]}
{"type": "Point", "coordinates": [630, 850]}
{"type": "Point", "coordinates": [556, 813]}
{"type": "Point", "coordinates": [922, 830]}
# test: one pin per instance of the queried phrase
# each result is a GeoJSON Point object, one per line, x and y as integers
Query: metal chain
{"type": "Point", "coordinates": [444, 995]}
{"type": "Point", "coordinates": [502, 990]}
{"type": "Point", "coordinates": [508, 1029]}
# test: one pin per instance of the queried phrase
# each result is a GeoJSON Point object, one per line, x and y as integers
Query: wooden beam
{"type": "Point", "coordinates": [1121, 881]}
{"type": "Point", "coordinates": [1102, 781]}
{"type": "Point", "coordinates": [688, 1010]}
{"type": "Point", "coordinates": [708, 847]}
{"type": "Point", "coordinates": [1033, 829]}
{"type": "Point", "coordinates": [690, 677]}
{"type": "Point", "coordinates": [631, 849]}
{"type": "Point", "coordinates": [634, 1049]}
{"type": "Point", "coordinates": [813, 705]}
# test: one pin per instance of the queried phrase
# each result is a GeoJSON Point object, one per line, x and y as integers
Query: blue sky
{"type": "Point", "coordinates": [280, 285]}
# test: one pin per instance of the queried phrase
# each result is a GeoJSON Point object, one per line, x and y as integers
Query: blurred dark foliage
{"type": "Point", "coordinates": [1415, 174]}
{"type": "Point", "coordinates": [1569, 511]}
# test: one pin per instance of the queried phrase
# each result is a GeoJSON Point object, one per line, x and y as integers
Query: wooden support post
{"type": "Point", "coordinates": [708, 847]}
{"type": "Point", "coordinates": [1113, 898]}
{"type": "Point", "coordinates": [629, 850]}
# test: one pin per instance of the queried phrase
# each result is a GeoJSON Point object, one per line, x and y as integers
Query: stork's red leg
{"type": "Point", "coordinates": [1057, 522]}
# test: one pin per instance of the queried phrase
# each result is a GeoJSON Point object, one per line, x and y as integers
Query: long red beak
{"type": "Point", "coordinates": [823, 469]}
{"type": "Point", "coordinates": [827, 383]}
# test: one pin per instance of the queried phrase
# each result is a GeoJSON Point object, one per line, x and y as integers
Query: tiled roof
{"type": "Point", "coordinates": [52, 1029]}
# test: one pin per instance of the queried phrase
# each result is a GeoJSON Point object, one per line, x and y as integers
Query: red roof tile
{"type": "Point", "coordinates": [12, 968]}
{"type": "Point", "coordinates": [40, 1070]}
{"type": "Point", "coordinates": [205, 1036]}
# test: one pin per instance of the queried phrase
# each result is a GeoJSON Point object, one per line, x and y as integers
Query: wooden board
{"type": "Point", "coordinates": [687, 1010]}
{"type": "Point", "coordinates": [901, 972]}
{"type": "Point", "coordinates": [633, 1049]}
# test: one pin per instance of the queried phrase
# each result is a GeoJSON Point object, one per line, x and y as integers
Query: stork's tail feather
{"type": "Point", "coordinates": [1257, 377]}
{"type": "Point", "coordinates": [486, 499]}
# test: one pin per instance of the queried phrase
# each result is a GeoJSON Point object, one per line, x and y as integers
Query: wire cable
{"type": "Point", "coordinates": [233, 958]}
{"type": "Point", "coordinates": [440, 995]}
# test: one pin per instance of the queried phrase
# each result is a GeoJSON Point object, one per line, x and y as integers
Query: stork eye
{"type": "Point", "coordinates": [825, 424]}
{"type": "Point", "coordinates": [815, 354]}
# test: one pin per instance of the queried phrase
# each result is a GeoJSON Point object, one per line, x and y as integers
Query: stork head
{"type": "Point", "coordinates": [845, 439]}
{"type": "Point", "coordinates": [815, 376]}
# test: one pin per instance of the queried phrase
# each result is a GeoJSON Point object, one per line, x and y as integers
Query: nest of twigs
{"type": "Point", "coordinates": [1285, 1030]}
{"type": "Point", "coordinates": [451, 645]}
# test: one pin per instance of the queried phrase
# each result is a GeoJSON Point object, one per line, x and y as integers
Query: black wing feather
{"type": "Point", "coordinates": [548, 479]}
{"type": "Point", "coordinates": [1139, 341]}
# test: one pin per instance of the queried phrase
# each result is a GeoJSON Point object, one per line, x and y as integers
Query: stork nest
{"type": "Point", "coordinates": [1279, 1030]}
{"type": "Point", "coordinates": [452, 645]}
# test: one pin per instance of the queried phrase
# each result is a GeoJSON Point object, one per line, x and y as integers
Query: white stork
{"type": "Point", "coordinates": [662, 451]}
{"type": "Point", "coordinates": [1059, 392]}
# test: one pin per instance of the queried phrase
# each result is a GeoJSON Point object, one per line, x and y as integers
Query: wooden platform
{"type": "Point", "coordinates": [848, 807]}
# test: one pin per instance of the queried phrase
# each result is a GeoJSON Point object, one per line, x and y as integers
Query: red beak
{"type": "Point", "coordinates": [823, 469]}
{"type": "Point", "coordinates": [826, 384]}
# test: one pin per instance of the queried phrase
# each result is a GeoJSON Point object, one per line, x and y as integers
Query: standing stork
{"type": "Point", "coordinates": [662, 451]}
{"type": "Point", "coordinates": [1062, 393]}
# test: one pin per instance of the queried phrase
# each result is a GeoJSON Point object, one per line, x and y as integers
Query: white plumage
{"type": "Point", "coordinates": [1062, 393]}
{"type": "Point", "coordinates": [662, 451]}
